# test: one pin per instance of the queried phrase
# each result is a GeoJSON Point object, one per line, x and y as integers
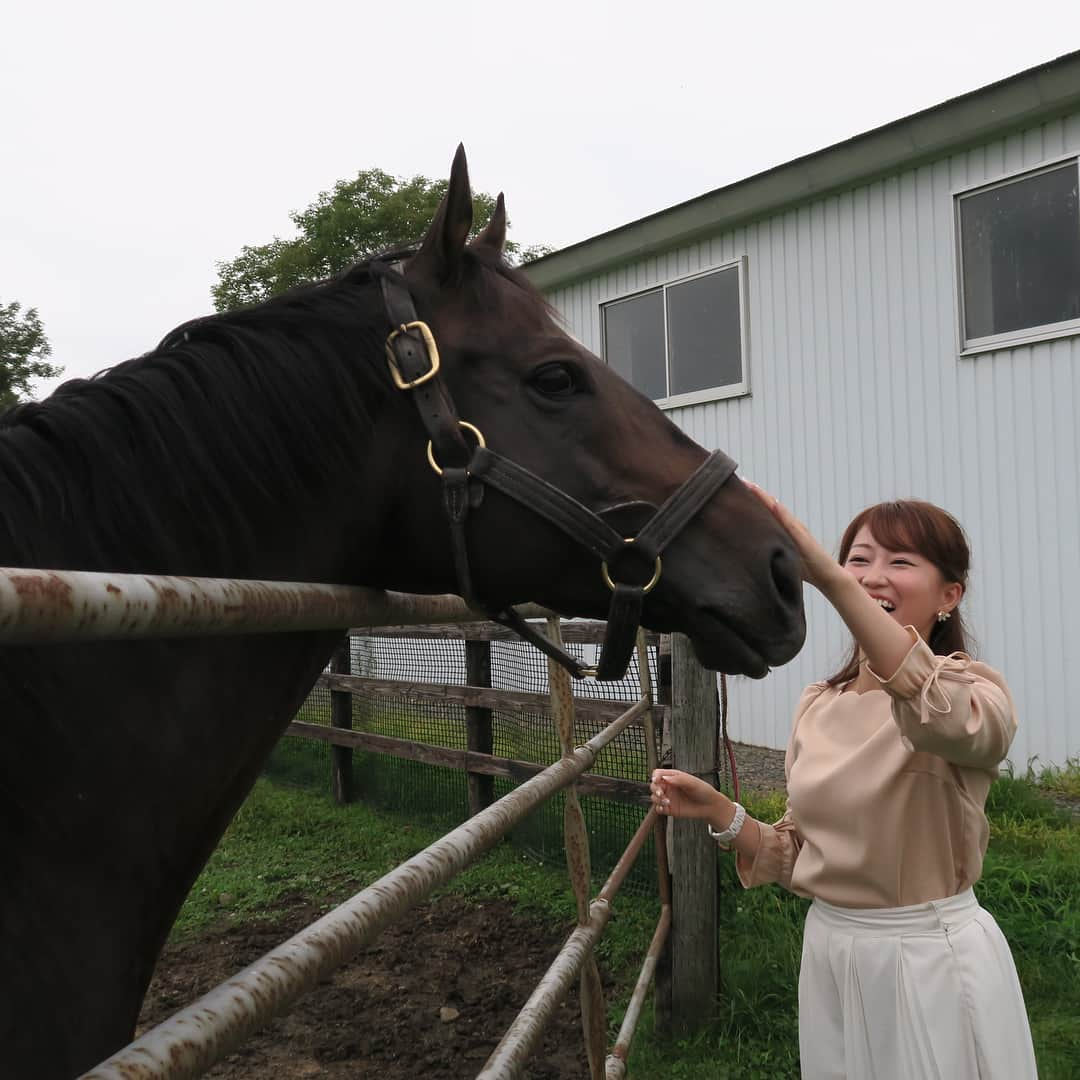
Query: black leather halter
{"type": "Point", "coordinates": [465, 467]}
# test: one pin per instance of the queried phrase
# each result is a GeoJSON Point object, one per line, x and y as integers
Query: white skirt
{"type": "Point", "coordinates": [927, 992]}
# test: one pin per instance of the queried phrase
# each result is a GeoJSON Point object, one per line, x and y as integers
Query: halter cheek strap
{"type": "Point", "coordinates": [466, 465]}
{"type": "Point", "coordinates": [591, 531]}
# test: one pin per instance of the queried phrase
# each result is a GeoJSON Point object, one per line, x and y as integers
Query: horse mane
{"type": "Point", "coordinates": [230, 418]}
{"type": "Point", "coordinates": [186, 456]}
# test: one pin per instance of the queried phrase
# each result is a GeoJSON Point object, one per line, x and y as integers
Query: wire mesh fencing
{"type": "Point", "coordinates": [420, 661]}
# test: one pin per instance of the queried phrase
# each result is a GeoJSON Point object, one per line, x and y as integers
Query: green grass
{"type": "Point", "coordinates": [439, 797]}
{"type": "Point", "coordinates": [1031, 884]}
{"type": "Point", "coordinates": [287, 841]}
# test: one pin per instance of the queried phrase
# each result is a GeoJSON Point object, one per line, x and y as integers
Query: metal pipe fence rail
{"type": "Point", "coordinates": [39, 606]}
{"type": "Point", "coordinates": [517, 1044]}
{"type": "Point", "coordinates": [615, 1066]}
{"type": "Point", "coordinates": [198, 1036]}
{"type": "Point", "coordinates": [577, 959]}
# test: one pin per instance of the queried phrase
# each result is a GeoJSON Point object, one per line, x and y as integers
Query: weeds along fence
{"type": "Point", "coordinates": [38, 606]}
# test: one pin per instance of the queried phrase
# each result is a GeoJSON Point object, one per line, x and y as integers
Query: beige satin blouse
{"type": "Point", "coordinates": [886, 789]}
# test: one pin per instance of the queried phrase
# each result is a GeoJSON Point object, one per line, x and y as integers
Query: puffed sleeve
{"type": "Point", "coordinates": [774, 860]}
{"type": "Point", "coordinates": [951, 706]}
{"type": "Point", "coordinates": [778, 844]}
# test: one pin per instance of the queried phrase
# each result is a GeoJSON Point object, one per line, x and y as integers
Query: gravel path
{"type": "Point", "coordinates": [760, 769]}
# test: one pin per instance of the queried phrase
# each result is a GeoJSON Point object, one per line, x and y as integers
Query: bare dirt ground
{"type": "Point", "coordinates": [429, 998]}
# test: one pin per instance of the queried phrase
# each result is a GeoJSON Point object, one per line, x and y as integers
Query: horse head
{"type": "Point", "coordinates": [730, 580]}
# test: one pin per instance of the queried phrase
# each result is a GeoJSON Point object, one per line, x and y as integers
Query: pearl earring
{"type": "Point", "coordinates": [943, 615]}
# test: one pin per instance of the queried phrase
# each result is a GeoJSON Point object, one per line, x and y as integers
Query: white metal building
{"type": "Point", "coordinates": [897, 315]}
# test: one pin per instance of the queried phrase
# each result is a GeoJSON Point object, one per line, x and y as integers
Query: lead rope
{"type": "Point", "coordinates": [725, 745]}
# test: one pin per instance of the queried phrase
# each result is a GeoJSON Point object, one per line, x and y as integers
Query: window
{"type": "Point", "coordinates": [1019, 243]}
{"type": "Point", "coordinates": [682, 343]}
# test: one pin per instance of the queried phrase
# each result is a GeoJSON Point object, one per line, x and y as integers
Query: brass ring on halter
{"type": "Point", "coordinates": [480, 441]}
{"type": "Point", "coordinates": [652, 581]}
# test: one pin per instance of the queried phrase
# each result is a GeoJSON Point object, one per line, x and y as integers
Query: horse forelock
{"type": "Point", "coordinates": [499, 269]}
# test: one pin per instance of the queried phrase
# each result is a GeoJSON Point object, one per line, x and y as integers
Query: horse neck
{"type": "Point", "coordinates": [121, 781]}
{"type": "Point", "coordinates": [150, 748]}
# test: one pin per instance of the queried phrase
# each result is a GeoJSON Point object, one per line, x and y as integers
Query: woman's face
{"type": "Point", "coordinates": [906, 584]}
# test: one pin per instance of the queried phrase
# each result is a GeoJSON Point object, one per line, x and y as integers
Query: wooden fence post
{"type": "Point", "coordinates": [478, 733]}
{"type": "Point", "coordinates": [691, 853]}
{"type": "Point", "coordinates": [341, 706]}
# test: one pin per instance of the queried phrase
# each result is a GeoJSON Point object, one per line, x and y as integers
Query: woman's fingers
{"type": "Point", "coordinates": [678, 793]}
{"type": "Point", "coordinates": [778, 510]}
{"type": "Point", "coordinates": [760, 493]}
{"type": "Point", "coordinates": [672, 779]}
{"type": "Point", "coordinates": [664, 781]}
{"type": "Point", "coordinates": [818, 564]}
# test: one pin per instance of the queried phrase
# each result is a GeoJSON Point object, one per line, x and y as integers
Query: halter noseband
{"type": "Point", "coordinates": [413, 360]}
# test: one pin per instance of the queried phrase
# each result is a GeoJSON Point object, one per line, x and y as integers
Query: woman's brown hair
{"type": "Point", "coordinates": [926, 530]}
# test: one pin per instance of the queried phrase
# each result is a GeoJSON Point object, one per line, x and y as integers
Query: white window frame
{"type": "Point", "coordinates": [1029, 335]}
{"type": "Point", "coordinates": [715, 393]}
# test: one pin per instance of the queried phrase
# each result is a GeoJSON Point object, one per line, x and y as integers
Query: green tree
{"type": "Point", "coordinates": [23, 349]}
{"type": "Point", "coordinates": [357, 219]}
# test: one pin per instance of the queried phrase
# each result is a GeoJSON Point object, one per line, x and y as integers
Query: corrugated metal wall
{"type": "Point", "coordinates": [857, 394]}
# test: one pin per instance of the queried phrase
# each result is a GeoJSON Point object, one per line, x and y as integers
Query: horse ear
{"type": "Point", "coordinates": [493, 234]}
{"type": "Point", "coordinates": [441, 250]}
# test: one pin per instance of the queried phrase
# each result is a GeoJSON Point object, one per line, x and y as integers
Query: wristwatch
{"type": "Point", "coordinates": [724, 838]}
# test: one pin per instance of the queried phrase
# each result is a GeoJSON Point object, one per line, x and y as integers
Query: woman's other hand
{"type": "Point", "coordinates": [678, 794]}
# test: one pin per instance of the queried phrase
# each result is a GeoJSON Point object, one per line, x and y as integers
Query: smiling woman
{"type": "Point", "coordinates": [904, 976]}
{"type": "Point", "coordinates": [914, 558]}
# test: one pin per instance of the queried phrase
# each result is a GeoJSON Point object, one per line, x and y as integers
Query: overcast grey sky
{"type": "Point", "coordinates": [142, 142]}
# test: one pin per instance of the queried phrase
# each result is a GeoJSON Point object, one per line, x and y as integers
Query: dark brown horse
{"type": "Point", "coordinates": [271, 443]}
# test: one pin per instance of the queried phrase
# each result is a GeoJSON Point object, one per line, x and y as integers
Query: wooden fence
{"type": "Point", "coordinates": [684, 711]}
{"type": "Point", "coordinates": [56, 606]}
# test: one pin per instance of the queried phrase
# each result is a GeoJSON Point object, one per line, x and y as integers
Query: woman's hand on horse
{"type": "Point", "coordinates": [678, 794]}
{"type": "Point", "coordinates": [819, 568]}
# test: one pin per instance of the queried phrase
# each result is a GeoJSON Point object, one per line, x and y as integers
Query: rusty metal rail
{"type": "Point", "coordinates": [577, 956]}
{"type": "Point", "coordinates": [43, 606]}
{"type": "Point", "coordinates": [201, 1034]}
{"type": "Point", "coordinates": [517, 1045]}
{"type": "Point", "coordinates": [616, 1062]}
{"type": "Point", "coordinates": [615, 1066]}
{"type": "Point", "coordinates": [69, 605]}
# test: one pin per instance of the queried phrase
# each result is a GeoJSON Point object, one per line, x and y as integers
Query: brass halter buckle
{"type": "Point", "coordinates": [646, 588]}
{"type": "Point", "coordinates": [432, 351]}
{"type": "Point", "coordinates": [477, 434]}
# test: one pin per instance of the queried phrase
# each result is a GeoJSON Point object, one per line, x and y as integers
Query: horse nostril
{"type": "Point", "coordinates": [786, 576]}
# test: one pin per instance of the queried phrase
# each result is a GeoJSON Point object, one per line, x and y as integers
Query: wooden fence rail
{"type": "Point", "coordinates": [687, 967]}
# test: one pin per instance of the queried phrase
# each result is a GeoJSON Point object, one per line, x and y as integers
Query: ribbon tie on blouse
{"type": "Point", "coordinates": [952, 667]}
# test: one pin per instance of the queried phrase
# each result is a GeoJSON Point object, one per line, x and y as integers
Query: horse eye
{"type": "Point", "coordinates": [555, 379]}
